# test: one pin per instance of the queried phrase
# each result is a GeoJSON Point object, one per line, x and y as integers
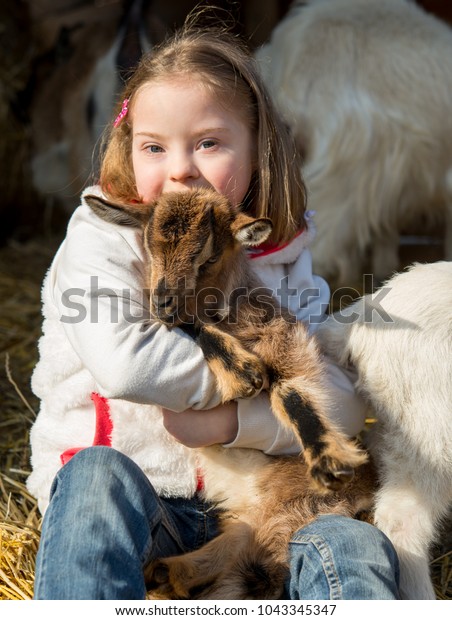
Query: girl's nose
{"type": "Point", "coordinates": [183, 168]}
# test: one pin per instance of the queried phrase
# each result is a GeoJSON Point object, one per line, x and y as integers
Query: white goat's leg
{"type": "Point", "coordinates": [448, 214]}
{"type": "Point", "coordinates": [385, 256]}
{"type": "Point", "coordinates": [407, 518]}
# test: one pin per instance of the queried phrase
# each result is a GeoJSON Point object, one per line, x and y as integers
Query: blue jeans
{"type": "Point", "coordinates": [105, 522]}
{"type": "Point", "coordinates": [337, 558]}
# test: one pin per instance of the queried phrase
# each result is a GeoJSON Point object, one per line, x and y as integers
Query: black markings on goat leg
{"type": "Point", "coordinates": [190, 330]}
{"type": "Point", "coordinates": [308, 423]}
{"type": "Point", "coordinates": [214, 347]}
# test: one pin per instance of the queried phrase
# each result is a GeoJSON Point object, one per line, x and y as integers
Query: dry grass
{"type": "Point", "coordinates": [22, 268]}
{"type": "Point", "coordinates": [19, 538]}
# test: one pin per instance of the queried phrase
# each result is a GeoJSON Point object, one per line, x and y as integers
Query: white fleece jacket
{"type": "Point", "coordinates": [105, 369]}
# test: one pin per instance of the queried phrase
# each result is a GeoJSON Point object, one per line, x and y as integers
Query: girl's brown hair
{"type": "Point", "coordinates": [225, 66]}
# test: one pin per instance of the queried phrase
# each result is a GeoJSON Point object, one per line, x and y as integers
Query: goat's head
{"type": "Point", "coordinates": [193, 242]}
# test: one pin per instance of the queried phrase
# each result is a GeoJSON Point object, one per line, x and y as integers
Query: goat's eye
{"type": "Point", "coordinates": [210, 261]}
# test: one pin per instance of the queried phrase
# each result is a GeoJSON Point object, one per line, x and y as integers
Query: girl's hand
{"type": "Point", "coordinates": [196, 429]}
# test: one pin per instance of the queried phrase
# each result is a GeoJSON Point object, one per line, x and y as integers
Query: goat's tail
{"type": "Point", "coordinates": [255, 574]}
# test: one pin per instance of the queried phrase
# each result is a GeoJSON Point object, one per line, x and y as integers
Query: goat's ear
{"type": "Point", "coordinates": [250, 231]}
{"type": "Point", "coordinates": [117, 213]}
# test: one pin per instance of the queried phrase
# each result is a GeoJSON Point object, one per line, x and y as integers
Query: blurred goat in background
{"type": "Point", "coordinates": [75, 100]}
{"type": "Point", "coordinates": [366, 86]}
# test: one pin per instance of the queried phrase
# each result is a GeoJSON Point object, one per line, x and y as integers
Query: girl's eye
{"type": "Point", "coordinates": [208, 144]}
{"type": "Point", "coordinates": [154, 148]}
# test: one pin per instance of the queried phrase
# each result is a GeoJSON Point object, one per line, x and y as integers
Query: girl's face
{"type": "Point", "coordinates": [184, 139]}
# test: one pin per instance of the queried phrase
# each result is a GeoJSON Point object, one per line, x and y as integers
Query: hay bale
{"type": "Point", "coordinates": [19, 539]}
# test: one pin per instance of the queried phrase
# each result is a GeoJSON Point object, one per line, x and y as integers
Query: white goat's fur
{"type": "Point", "coordinates": [366, 87]}
{"type": "Point", "coordinates": [405, 371]}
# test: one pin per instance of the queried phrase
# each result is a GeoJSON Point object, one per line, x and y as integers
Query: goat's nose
{"type": "Point", "coordinates": [163, 302]}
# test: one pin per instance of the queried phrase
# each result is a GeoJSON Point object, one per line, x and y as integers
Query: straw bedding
{"type": "Point", "coordinates": [22, 267]}
{"type": "Point", "coordinates": [21, 270]}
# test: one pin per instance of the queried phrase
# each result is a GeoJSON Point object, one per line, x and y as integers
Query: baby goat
{"type": "Point", "coordinates": [199, 279]}
{"type": "Point", "coordinates": [400, 341]}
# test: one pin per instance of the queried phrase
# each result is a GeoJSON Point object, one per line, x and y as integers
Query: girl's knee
{"type": "Point", "coordinates": [97, 472]}
{"type": "Point", "coordinates": [346, 534]}
{"type": "Point", "coordinates": [103, 455]}
{"type": "Point", "coordinates": [339, 557]}
{"type": "Point", "coordinates": [340, 539]}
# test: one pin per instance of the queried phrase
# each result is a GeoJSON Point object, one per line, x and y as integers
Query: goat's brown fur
{"type": "Point", "coordinates": [249, 557]}
{"type": "Point", "coordinates": [200, 280]}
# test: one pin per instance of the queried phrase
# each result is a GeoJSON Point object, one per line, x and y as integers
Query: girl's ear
{"type": "Point", "coordinates": [250, 231]}
{"type": "Point", "coordinates": [134, 215]}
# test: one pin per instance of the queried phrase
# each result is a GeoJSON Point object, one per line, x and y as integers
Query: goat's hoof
{"type": "Point", "coordinates": [252, 379]}
{"type": "Point", "coordinates": [167, 578]}
{"type": "Point", "coordinates": [331, 474]}
{"type": "Point", "coordinates": [157, 574]}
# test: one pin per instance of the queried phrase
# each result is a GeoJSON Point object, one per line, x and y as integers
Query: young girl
{"type": "Point", "coordinates": [124, 399]}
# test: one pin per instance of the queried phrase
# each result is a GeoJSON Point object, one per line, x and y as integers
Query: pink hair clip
{"type": "Point", "coordinates": [123, 113]}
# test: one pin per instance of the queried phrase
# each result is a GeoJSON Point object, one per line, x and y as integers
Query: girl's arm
{"type": "Point", "coordinates": [258, 428]}
{"type": "Point", "coordinates": [197, 429]}
{"type": "Point", "coordinates": [251, 423]}
{"type": "Point", "coordinates": [96, 286]}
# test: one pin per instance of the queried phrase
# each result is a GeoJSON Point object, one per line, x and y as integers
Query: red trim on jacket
{"type": "Point", "coordinates": [103, 431]}
{"type": "Point", "coordinates": [199, 480]}
{"type": "Point", "coordinates": [269, 248]}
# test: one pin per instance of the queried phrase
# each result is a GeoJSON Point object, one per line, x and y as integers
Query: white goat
{"type": "Point", "coordinates": [400, 341]}
{"type": "Point", "coordinates": [366, 86]}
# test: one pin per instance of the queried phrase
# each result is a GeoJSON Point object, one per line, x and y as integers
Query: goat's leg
{"type": "Point", "coordinates": [187, 576]}
{"type": "Point", "coordinates": [385, 256]}
{"type": "Point", "coordinates": [330, 456]}
{"type": "Point", "coordinates": [406, 518]}
{"type": "Point", "coordinates": [448, 223]}
{"type": "Point", "coordinates": [239, 373]}
{"type": "Point", "coordinates": [408, 508]}
{"type": "Point", "coordinates": [299, 399]}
